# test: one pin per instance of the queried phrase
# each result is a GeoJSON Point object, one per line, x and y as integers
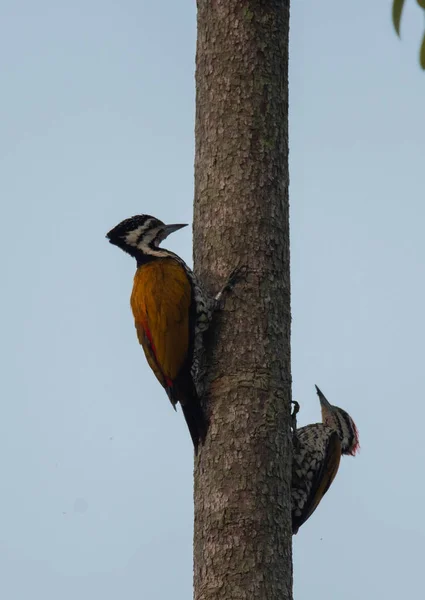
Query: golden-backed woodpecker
{"type": "Point", "coordinates": [317, 450]}
{"type": "Point", "coordinates": [171, 313]}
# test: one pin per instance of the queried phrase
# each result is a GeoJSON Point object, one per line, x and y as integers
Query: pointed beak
{"type": "Point", "coordinates": [172, 228]}
{"type": "Point", "coordinates": [323, 401]}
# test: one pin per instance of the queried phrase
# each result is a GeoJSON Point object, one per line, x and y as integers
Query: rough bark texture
{"type": "Point", "coordinates": [242, 542]}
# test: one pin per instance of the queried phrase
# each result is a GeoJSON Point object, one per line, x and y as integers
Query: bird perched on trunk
{"type": "Point", "coordinates": [317, 450]}
{"type": "Point", "coordinates": [171, 313]}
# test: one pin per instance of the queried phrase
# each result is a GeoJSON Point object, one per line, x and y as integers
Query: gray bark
{"type": "Point", "coordinates": [242, 539]}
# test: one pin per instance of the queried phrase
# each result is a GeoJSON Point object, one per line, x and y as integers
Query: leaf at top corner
{"type": "Point", "coordinates": [397, 10]}
{"type": "Point", "coordinates": [422, 54]}
{"type": "Point", "coordinates": [421, 3]}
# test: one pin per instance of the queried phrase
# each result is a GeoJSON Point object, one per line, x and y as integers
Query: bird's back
{"type": "Point", "coordinates": [161, 304]}
{"type": "Point", "coordinates": [164, 315]}
{"type": "Point", "coordinates": [316, 457]}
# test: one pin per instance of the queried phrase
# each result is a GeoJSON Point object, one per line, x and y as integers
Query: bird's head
{"type": "Point", "coordinates": [141, 235]}
{"type": "Point", "coordinates": [339, 420]}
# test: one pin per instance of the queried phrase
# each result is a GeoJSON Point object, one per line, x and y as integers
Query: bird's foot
{"type": "Point", "coordinates": [294, 415]}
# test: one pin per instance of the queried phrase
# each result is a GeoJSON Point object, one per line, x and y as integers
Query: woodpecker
{"type": "Point", "coordinates": [317, 450]}
{"type": "Point", "coordinates": [171, 312]}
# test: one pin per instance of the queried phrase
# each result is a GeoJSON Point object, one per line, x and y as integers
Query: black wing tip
{"type": "Point", "coordinates": [296, 523]}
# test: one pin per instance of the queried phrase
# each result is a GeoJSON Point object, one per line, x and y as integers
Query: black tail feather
{"type": "Point", "coordinates": [184, 392]}
{"type": "Point", "coordinates": [195, 420]}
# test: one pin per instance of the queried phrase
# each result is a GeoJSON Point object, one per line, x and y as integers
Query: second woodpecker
{"type": "Point", "coordinates": [317, 451]}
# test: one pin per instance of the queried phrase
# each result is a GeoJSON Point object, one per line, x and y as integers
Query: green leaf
{"type": "Point", "coordinates": [421, 3]}
{"type": "Point", "coordinates": [422, 54]}
{"type": "Point", "coordinates": [397, 10]}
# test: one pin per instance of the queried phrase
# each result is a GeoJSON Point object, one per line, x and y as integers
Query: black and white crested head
{"type": "Point", "coordinates": [339, 420]}
{"type": "Point", "coordinates": [141, 235]}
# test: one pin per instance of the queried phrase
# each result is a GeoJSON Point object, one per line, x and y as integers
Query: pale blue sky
{"type": "Point", "coordinates": [97, 102]}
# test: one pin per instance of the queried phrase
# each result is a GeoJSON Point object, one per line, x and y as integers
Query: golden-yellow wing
{"type": "Point", "coordinates": [161, 302]}
{"type": "Point", "coordinates": [324, 477]}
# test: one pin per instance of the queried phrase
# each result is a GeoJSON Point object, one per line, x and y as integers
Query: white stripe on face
{"type": "Point", "coordinates": [145, 247]}
{"type": "Point", "coordinates": [150, 236]}
{"type": "Point", "coordinates": [133, 236]}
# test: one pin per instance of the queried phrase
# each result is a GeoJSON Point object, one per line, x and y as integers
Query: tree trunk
{"type": "Point", "coordinates": [242, 541]}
